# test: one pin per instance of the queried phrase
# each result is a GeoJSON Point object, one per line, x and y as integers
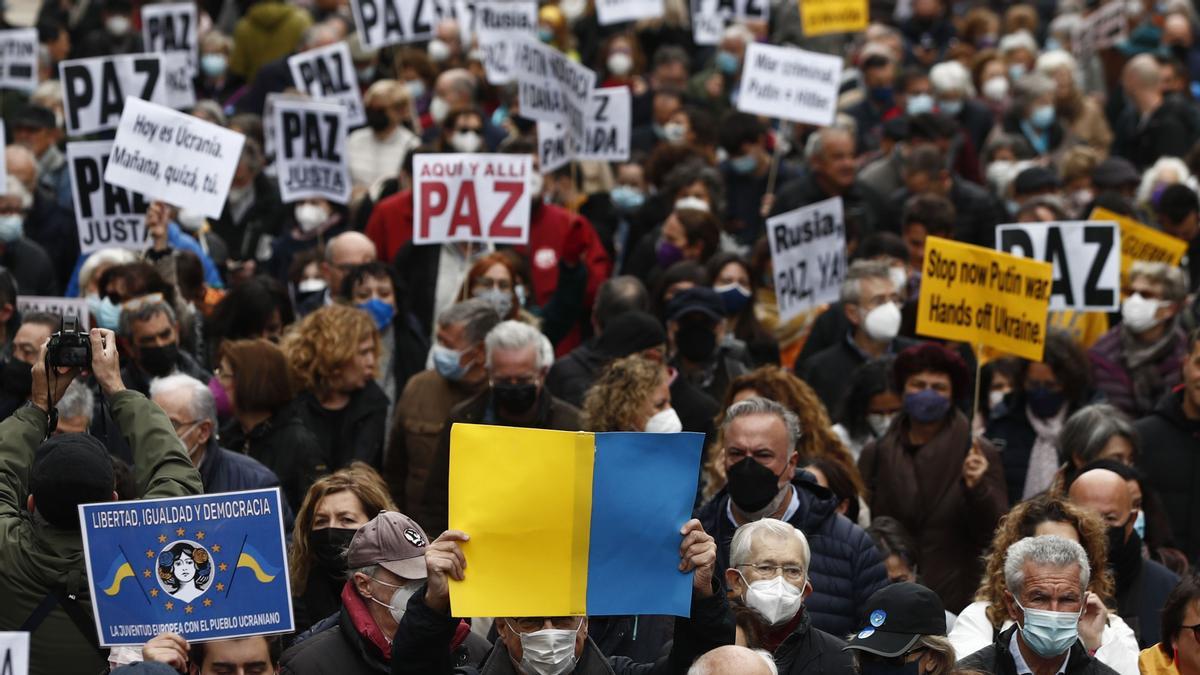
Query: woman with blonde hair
{"type": "Point", "coordinates": [631, 394]}
{"type": "Point", "coordinates": [1101, 631]}
{"type": "Point", "coordinates": [1081, 115]}
{"type": "Point", "coordinates": [333, 356]}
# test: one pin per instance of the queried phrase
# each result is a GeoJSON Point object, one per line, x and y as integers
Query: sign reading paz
{"type": "Point", "coordinates": [469, 197]}
{"type": "Point", "coordinates": [94, 90]}
{"type": "Point", "coordinates": [390, 22]}
{"type": "Point", "coordinates": [808, 254]}
{"type": "Point", "coordinates": [1085, 256]}
{"type": "Point", "coordinates": [177, 158]}
{"type": "Point", "coordinates": [822, 17]}
{"type": "Point", "coordinates": [327, 74]}
{"type": "Point", "coordinates": [108, 216]}
{"type": "Point", "coordinates": [311, 142]}
{"type": "Point", "coordinates": [978, 296]}
{"type": "Point", "coordinates": [170, 28]}
{"type": "Point", "coordinates": [207, 567]}
{"type": "Point", "coordinates": [789, 83]}
{"type": "Point", "coordinates": [18, 59]}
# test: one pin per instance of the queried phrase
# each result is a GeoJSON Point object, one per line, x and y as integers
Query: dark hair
{"type": "Point", "coordinates": [935, 212]}
{"type": "Point", "coordinates": [1184, 594]}
{"type": "Point", "coordinates": [867, 381]}
{"type": "Point", "coordinates": [700, 226]}
{"type": "Point", "coordinates": [372, 270]}
{"type": "Point", "coordinates": [48, 319]}
{"type": "Point", "coordinates": [841, 484]}
{"type": "Point", "coordinates": [141, 278]}
{"type": "Point", "coordinates": [926, 159]}
{"type": "Point", "coordinates": [931, 127]}
{"type": "Point", "coordinates": [1088, 430]}
{"type": "Point", "coordinates": [893, 539]}
{"type": "Point", "coordinates": [1177, 202]}
{"type": "Point", "coordinates": [908, 75]}
{"type": "Point", "coordinates": [696, 171]}
{"type": "Point", "coordinates": [881, 243]}
{"type": "Point", "coordinates": [166, 565]}
{"type": "Point", "coordinates": [189, 275]}
{"type": "Point", "coordinates": [8, 296]}
{"type": "Point", "coordinates": [739, 128]}
{"type": "Point", "coordinates": [245, 311]}
{"type": "Point", "coordinates": [618, 295]}
{"type": "Point", "coordinates": [49, 30]}
{"type": "Point", "coordinates": [1071, 367]}
{"type": "Point", "coordinates": [1008, 366]}
{"type": "Point", "coordinates": [875, 61]}
{"type": "Point", "coordinates": [450, 121]}
{"type": "Point", "coordinates": [930, 357]}
{"type": "Point", "coordinates": [198, 651]}
{"type": "Point", "coordinates": [123, 482]}
{"type": "Point", "coordinates": [684, 270]}
{"type": "Point", "coordinates": [668, 54]}
{"type": "Point", "coordinates": [703, 126]}
{"type": "Point", "coordinates": [261, 378]}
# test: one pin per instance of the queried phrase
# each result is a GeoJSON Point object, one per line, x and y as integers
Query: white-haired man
{"type": "Point", "coordinates": [734, 659]}
{"type": "Point", "coordinates": [516, 371]}
{"type": "Point", "coordinates": [1046, 579]}
{"type": "Point", "coordinates": [768, 574]}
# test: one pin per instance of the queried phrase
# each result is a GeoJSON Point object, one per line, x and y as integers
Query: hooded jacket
{"type": "Point", "coordinates": [269, 30]}
{"type": "Point", "coordinates": [1173, 468]}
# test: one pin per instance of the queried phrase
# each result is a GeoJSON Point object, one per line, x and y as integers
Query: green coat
{"type": "Point", "coordinates": [36, 556]}
{"type": "Point", "coordinates": [268, 31]}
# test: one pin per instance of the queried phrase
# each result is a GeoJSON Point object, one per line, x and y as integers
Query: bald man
{"type": "Point", "coordinates": [1142, 584]}
{"type": "Point", "coordinates": [1152, 125]}
{"type": "Point", "coordinates": [342, 254]}
{"type": "Point", "coordinates": [734, 660]}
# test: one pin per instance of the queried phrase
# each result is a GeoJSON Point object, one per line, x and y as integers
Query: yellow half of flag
{"type": "Point", "coordinates": [123, 572]}
{"type": "Point", "coordinates": [246, 560]}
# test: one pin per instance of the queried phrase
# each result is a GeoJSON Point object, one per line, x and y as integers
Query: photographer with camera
{"type": "Point", "coordinates": [43, 579]}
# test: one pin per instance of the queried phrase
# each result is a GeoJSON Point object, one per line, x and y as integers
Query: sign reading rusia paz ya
{"type": "Point", "coordinates": [978, 296]}
{"type": "Point", "coordinates": [808, 255]}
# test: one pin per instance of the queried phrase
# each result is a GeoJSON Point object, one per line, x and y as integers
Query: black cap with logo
{"type": "Point", "coordinates": [897, 616]}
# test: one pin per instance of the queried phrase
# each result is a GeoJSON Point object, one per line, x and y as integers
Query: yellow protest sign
{"type": "Point", "coordinates": [1141, 242]}
{"type": "Point", "coordinates": [821, 17]}
{"type": "Point", "coordinates": [980, 296]}
{"type": "Point", "coordinates": [528, 553]}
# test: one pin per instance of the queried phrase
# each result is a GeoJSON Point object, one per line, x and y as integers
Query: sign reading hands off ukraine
{"type": "Point", "coordinates": [207, 567]}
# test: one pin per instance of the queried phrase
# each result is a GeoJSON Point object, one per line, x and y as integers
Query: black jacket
{"type": "Point", "coordinates": [1171, 463]}
{"type": "Point", "coordinates": [265, 217]}
{"type": "Point", "coordinates": [845, 568]}
{"type": "Point", "coordinates": [977, 212]}
{"type": "Point", "coordinates": [863, 209]}
{"type": "Point", "coordinates": [286, 447]}
{"type": "Point", "coordinates": [811, 651]}
{"type": "Point", "coordinates": [1168, 132]}
{"type": "Point", "coordinates": [571, 376]}
{"type": "Point", "coordinates": [222, 470]}
{"type": "Point", "coordinates": [828, 371]}
{"type": "Point", "coordinates": [995, 659]}
{"type": "Point", "coordinates": [30, 266]}
{"type": "Point", "coordinates": [365, 417]}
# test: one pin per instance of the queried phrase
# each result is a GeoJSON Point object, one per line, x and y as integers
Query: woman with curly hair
{"type": "Point", "coordinates": [333, 355]}
{"type": "Point", "coordinates": [632, 394]}
{"type": "Point", "coordinates": [1100, 630]}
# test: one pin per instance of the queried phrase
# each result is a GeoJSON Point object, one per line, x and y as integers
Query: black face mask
{"type": "Point", "coordinates": [1124, 555]}
{"type": "Point", "coordinates": [378, 119]}
{"type": "Point", "coordinates": [696, 342]}
{"type": "Point", "coordinates": [158, 361]}
{"type": "Point", "coordinates": [751, 485]}
{"type": "Point", "coordinates": [17, 378]}
{"type": "Point", "coordinates": [515, 399]}
{"type": "Point", "coordinates": [329, 546]}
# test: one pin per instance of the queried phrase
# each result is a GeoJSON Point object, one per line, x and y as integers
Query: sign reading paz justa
{"type": "Point", "coordinates": [808, 254]}
{"type": "Point", "coordinates": [107, 216]}
{"type": "Point", "coordinates": [311, 143]}
{"type": "Point", "coordinates": [822, 17]}
{"type": "Point", "coordinates": [552, 87]}
{"type": "Point", "coordinates": [76, 307]}
{"type": "Point", "coordinates": [168, 28]}
{"type": "Point", "coordinates": [18, 59]}
{"type": "Point", "coordinates": [498, 26]}
{"type": "Point", "coordinates": [1085, 256]}
{"type": "Point", "coordinates": [177, 158]}
{"type": "Point", "coordinates": [609, 12]}
{"type": "Point", "coordinates": [327, 74]}
{"type": "Point", "coordinates": [974, 295]}
{"type": "Point", "coordinates": [14, 653]}
{"type": "Point", "coordinates": [94, 90]}
{"type": "Point", "coordinates": [391, 22]}
{"type": "Point", "coordinates": [207, 567]}
{"type": "Point", "coordinates": [789, 83]}
{"type": "Point", "coordinates": [470, 197]}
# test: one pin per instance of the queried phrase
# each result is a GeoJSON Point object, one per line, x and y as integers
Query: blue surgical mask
{"type": "Point", "coordinates": [727, 62]}
{"type": "Point", "coordinates": [545, 35]}
{"type": "Point", "coordinates": [1053, 44]}
{"type": "Point", "coordinates": [501, 301]}
{"type": "Point", "coordinates": [951, 108]}
{"type": "Point", "coordinates": [1016, 71]}
{"type": "Point", "coordinates": [11, 228]}
{"type": "Point", "coordinates": [1042, 117]}
{"type": "Point", "coordinates": [213, 65]}
{"type": "Point", "coordinates": [926, 406]}
{"type": "Point", "coordinates": [416, 88]}
{"type": "Point", "coordinates": [734, 296]}
{"type": "Point", "coordinates": [626, 198]}
{"type": "Point", "coordinates": [106, 313]}
{"type": "Point", "coordinates": [918, 104]}
{"type": "Point", "coordinates": [382, 312]}
{"type": "Point", "coordinates": [1050, 634]}
{"type": "Point", "coordinates": [1139, 524]}
{"type": "Point", "coordinates": [448, 363]}
{"type": "Point", "coordinates": [744, 164]}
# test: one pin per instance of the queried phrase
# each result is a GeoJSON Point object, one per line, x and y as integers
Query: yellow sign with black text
{"type": "Point", "coordinates": [979, 296]}
{"type": "Point", "coordinates": [1142, 242]}
{"type": "Point", "coordinates": [822, 17]}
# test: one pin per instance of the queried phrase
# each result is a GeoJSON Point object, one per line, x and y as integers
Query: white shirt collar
{"type": "Point", "coordinates": [1018, 658]}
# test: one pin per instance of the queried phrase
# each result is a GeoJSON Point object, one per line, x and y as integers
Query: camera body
{"type": "Point", "coordinates": [69, 347]}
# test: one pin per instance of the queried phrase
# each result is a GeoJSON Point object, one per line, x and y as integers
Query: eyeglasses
{"type": "Point", "coordinates": [488, 284]}
{"type": "Point", "coordinates": [1195, 630]}
{"type": "Point", "coordinates": [790, 572]}
{"type": "Point", "coordinates": [530, 624]}
{"type": "Point", "coordinates": [180, 426]}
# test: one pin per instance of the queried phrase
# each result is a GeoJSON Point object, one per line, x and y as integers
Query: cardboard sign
{"type": "Point", "coordinates": [392, 22]}
{"type": "Point", "coordinates": [14, 653]}
{"type": "Point", "coordinates": [1106, 26]}
{"type": "Point", "coordinates": [789, 83]}
{"type": "Point", "coordinates": [497, 26]}
{"type": "Point", "coordinates": [808, 254]}
{"type": "Point", "coordinates": [64, 307]}
{"type": "Point", "coordinates": [94, 90]}
{"type": "Point", "coordinates": [822, 17]}
{"type": "Point", "coordinates": [1142, 242]}
{"type": "Point", "coordinates": [311, 162]}
{"type": "Point", "coordinates": [177, 158]}
{"type": "Point", "coordinates": [609, 12]}
{"type": "Point", "coordinates": [709, 17]}
{"type": "Point", "coordinates": [169, 28]}
{"type": "Point", "coordinates": [327, 74]}
{"type": "Point", "coordinates": [19, 59]}
{"type": "Point", "coordinates": [978, 296]}
{"type": "Point", "coordinates": [470, 197]}
{"type": "Point", "coordinates": [1085, 255]}
{"type": "Point", "coordinates": [207, 567]}
{"type": "Point", "coordinates": [606, 137]}
{"type": "Point", "coordinates": [108, 216]}
{"type": "Point", "coordinates": [552, 87]}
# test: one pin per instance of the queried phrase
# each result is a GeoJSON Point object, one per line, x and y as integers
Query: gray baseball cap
{"type": "Point", "coordinates": [393, 541]}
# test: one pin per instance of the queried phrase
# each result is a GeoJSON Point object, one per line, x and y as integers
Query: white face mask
{"type": "Point", "coordinates": [399, 601]}
{"type": "Point", "coordinates": [466, 141]}
{"type": "Point", "coordinates": [674, 132]}
{"type": "Point", "coordinates": [190, 220]}
{"type": "Point", "coordinates": [118, 25]}
{"type": "Point", "coordinates": [572, 9]}
{"type": "Point", "coordinates": [899, 278]}
{"type": "Point", "coordinates": [775, 599]}
{"type": "Point", "coordinates": [1138, 313]}
{"type": "Point", "coordinates": [536, 183]}
{"type": "Point", "coordinates": [12, 227]}
{"type": "Point", "coordinates": [996, 397]}
{"type": "Point", "coordinates": [620, 63]}
{"type": "Point", "coordinates": [439, 51]}
{"type": "Point", "coordinates": [996, 89]}
{"type": "Point", "coordinates": [664, 422]}
{"type": "Point", "coordinates": [310, 216]}
{"type": "Point", "coordinates": [694, 203]}
{"type": "Point", "coordinates": [438, 109]}
{"type": "Point", "coordinates": [550, 651]}
{"type": "Point", "coordinates": [879, 423]}
{"type": "Point", "coordinates": [882, 324]}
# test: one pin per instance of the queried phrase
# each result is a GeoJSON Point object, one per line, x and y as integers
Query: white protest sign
{"type": "Point", "coordinates": [808, 252]}
{"type": "Point", "coordinates": [789, 83]}
{"type": "Point", "coordinates": [169, 28]}
{"type": "Point", "coordinates": [471, 197]}
{"type": "Point", "coordinates": [555, 147]}
{"type": "Point", "coordinates": [107, 216]}
{"type": "Point", "coordinates": [14, 653]}
{"type": "Point", "coordinates": [709, 17]}
{"type": "Point", "coordinates": [327, 74]}
{"type": "Point", "coordinates": [497, 26]}
{"type": "Point", "coordinates": [391, 22]}
{"type": "Point", "coordinates": [552, 87]}
{"type": "Point", "coordinates": [19, 59]}
{"type": "Point", "coordinates": [609, 12]}
{"type": "Point", "coordinates": [606, 134]}
{"type": "Point", "coordinates": [311, 160]}
{"type": "Point", "coordinates": [1086, 256]}
{"type": "Point", "coordinates": [94, 90]}
{"type": "Point", "coordinates": [1105, 27]}
{"type": "Point", "coordinates": [177, 158]}
{"type": "Point", "coordinates": [64, 307]}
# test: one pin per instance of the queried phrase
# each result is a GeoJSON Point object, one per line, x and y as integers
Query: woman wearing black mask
{"type": "Point", "coordinates": [1029, 419]}
{"type": "Point", "coordinates": [376, 151]}
{"type": "Point", "coordinates": [333, 510]}
{"type": "Point", "coordinates": [928, 473]}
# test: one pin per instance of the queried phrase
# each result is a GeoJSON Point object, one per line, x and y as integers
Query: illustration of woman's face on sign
{"type": "Point", "coordinates": [185, 567]}
{"type": "Point", "coordinates": [184, 570]}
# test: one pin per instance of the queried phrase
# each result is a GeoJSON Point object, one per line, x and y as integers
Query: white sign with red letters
{"type": "Point", "coordinates": [471, 197]}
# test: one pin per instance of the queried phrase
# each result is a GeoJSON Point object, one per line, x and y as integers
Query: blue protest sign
{"type": "Point", "coordinates": [207, 567]}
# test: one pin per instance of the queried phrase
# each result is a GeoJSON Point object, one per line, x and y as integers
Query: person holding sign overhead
{"type": "Point", "coordinates": [928, 473]}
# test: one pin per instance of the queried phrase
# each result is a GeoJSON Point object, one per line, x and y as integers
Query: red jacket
{"type": "Point", "coordinates": [391, 224]}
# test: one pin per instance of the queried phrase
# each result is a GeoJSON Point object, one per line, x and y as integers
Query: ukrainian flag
{"type": "Point", "coordinates": [117, 572]}
{"type": "Point", "coordinates": [252, 560]}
